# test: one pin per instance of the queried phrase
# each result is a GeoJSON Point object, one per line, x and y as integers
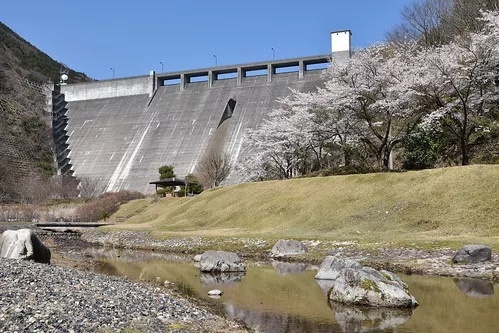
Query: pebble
{"type": "Point", "coordinates": [142, 240]}
{"type": "Point", "coordinates": [215, 292]}
{"type": "Point", "coordinates": [44, 298]}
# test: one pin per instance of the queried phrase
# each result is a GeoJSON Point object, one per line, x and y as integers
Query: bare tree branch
{"type": "Point", "coordinates": [214, 168]}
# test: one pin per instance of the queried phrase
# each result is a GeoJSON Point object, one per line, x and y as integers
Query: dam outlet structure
{"type": "Point", "coordinates": [121, 131]}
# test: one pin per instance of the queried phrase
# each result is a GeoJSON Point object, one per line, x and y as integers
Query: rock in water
{"type": "Point", "coordinates": [351, 283]}
{"type": "Point", "coordinates": [23, 244]}
{"type": "Point", "coordinates": [215, 292]}
{"type": "Point", "coordinates": [284, 247]}
{"type": "Point", "coordinates": [221, 261]}
{"type": "Point", "coordinates": [368, 287]}
{"type": "Point", "coordinates": [471, 254]}
{"type": "Point", "coordinates": [331, 266]}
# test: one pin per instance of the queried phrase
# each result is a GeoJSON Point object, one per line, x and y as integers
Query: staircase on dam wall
{"type": "Point", "coordinates": [60, 135]}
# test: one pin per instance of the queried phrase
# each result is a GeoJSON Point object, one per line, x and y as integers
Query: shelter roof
{"type": "Point", "coordinates": [169, 182]}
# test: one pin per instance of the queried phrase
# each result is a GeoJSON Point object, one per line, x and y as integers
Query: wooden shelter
{"type": "Point", "coordinates": [170, 182]}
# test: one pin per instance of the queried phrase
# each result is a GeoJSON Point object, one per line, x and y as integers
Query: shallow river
{"type": "Point", "coordinates": [280, 297]}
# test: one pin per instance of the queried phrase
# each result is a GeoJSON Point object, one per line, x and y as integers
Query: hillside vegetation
{"type": "Point", "coordinates": [29, 62]}
{"type": "Point", "coordinates": [26, 156]}
{"type": "Point", "coordinates": [430, 208]}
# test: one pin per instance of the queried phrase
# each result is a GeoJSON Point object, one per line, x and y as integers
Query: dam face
{"type": "Point", "coordinates": [121, 131]}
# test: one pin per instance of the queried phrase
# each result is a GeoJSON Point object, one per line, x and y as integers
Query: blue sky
{"type": "Point", "coordinates": [133, 37]}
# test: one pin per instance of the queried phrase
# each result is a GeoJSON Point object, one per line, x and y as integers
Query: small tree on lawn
{"type": "Point", "coordinates": [214, 168]}
{"type": "Point", "coordinates": [166, 171]}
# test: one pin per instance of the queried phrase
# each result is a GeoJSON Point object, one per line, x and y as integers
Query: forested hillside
{"type": "Point", "coordinates": [26, 157]}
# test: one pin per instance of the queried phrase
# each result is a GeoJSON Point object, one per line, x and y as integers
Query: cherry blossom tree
{"type": "Point", "coordinates": [364, 103]}
{"type": "Point", "coordinates": [373, 90]}
{"type": "Point", "coordinates": [280, 144]}
{"type": "Point", "coordinates": [379, 98]}
{"type": "Point", "coordinates": [329, 126]}
{"type": "Point", "coordinates": [462, 77]}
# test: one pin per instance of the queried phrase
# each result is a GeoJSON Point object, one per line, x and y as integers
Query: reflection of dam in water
{"type": "Point", "coordinates": [121, 131]}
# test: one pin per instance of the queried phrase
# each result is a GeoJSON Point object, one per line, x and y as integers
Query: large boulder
{"type": "Point", "coordinates": [353, 284]}
{"type": "Point", "coordinates": [284, 247]}
{"type": "Point", "coordinates": [23, 244]}
{"type": "Point", "coordinates": [368, 287]}
{"type": "Point", "coordinates": [331, 266]}
{"type": "Point", "coordinates": [471, 254]}
{"type": "Point", "coordinates": [221, 261]}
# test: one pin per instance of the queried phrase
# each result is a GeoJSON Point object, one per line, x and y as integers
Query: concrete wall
{"type": "Point", "coordinates": [108, 88]}
{"type": "Point", "coordinates": [123, 140]}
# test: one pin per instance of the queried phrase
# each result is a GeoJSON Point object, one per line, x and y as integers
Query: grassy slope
{"type": "Point", "coordinates": [449, 205]}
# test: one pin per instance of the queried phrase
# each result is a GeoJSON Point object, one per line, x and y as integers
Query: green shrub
{"type": "Point", "coordinates": [194, 186]}
{"type": "Point", "coordinates": [422, 150]}
{"type": "Point", "coordinates": [161, 191]}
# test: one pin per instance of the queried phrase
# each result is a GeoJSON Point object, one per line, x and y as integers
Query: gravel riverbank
{"type": "Point", "coordinates": [396, 259]}
{"type": "Point", "coordinates": [44, 298]}
{"type": "Point", "coordinates": [58, 298]}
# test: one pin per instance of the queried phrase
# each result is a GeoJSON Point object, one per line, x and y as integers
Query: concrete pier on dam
{"type": "Point", "coordinates": [122, 130]}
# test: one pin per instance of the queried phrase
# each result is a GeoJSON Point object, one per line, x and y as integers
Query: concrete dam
{"type": "Point", "coordinates": [121, 131]}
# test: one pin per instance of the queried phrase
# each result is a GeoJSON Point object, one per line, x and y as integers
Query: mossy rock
{"type": "Point", "coordinates": [369, 285]}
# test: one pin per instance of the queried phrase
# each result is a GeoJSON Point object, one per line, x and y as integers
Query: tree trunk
{"type": "Point", "coordinates": [465, 158]}
{"type": "Point", "coordinates": [347, 156]}
{"type": "Point", "coordinates": [385, 159]}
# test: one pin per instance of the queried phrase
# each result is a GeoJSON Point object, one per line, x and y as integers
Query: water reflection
{"type": "Point", "coordinates": [279, 322]}
{"type": "Point", "coordinates": [363, 319]}
{"type": "Point", "coordinates": [130, 255]}
{"type": "Point", "coordinates": [266, 299]}
{"type": "Point", "coordinates": [224, 278]}
{"type": "Point", "coordinates": [285, 268]}
{"type": "Point", "coordinates": [475, 288]}
{"type": "Point", "coordinates": [325, 285]}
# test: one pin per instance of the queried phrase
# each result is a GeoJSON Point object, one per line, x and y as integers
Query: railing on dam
{"type": "Point", "coordinates": [148, 84]}
{"type": "Point", "coordinates": [239, 72]}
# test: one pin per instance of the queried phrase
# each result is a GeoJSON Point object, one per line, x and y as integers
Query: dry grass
{"type": "Point", "coordinates": [438, 207]}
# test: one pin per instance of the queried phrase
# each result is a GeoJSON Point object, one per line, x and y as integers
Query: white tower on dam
{"type": "Point", "coordinates": [341, 45]}
{"type": "Point", "coordinates": [122, 130]}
